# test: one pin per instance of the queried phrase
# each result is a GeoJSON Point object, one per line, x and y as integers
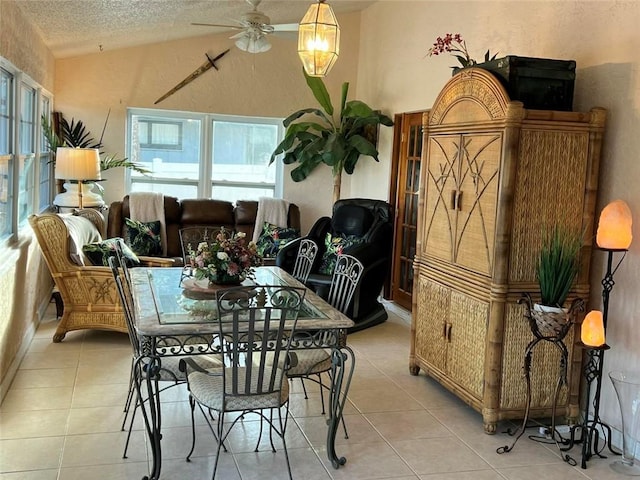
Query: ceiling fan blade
{"type": "Point", "coordinates": [285, 27]}
{"type": "Point", "coordinates": [235, 27]}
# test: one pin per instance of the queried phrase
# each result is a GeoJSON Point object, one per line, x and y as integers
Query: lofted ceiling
{"type": "Point", "coordinates": [78, 27]}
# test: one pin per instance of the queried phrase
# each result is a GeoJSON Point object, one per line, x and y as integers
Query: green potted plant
{"type": "Point", "coordinates": [557, 268]}
{"type": "Point", "coordinates": [558, 265]}
{"type": "Point", "coordinates": [336, 142]}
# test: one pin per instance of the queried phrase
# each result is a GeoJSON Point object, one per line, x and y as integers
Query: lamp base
{"type": "Point", "coordinates": [71, 198]}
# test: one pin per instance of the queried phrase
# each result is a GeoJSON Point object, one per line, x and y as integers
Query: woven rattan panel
{"type": "Point", "coordinates": [430, 318]}
{"type": "Point", "coordinates": [551, 174]}
{"type": "Point", "coordinates": [108, 321]}
{"type": "Point", "coordinates": [545, 365]}
{"type": "Point", "coordinates": [465, 355]}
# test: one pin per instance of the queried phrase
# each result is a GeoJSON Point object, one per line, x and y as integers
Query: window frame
{"type": "Point", "coordinates": [205, 185]}
{"type": "Point", "coordinates": [15, 157]}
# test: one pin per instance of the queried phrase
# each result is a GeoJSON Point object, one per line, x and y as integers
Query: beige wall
{"type": "Point", "coordinates": [21, 45]}
{"type": "Point", "coordinates": [269, 84]}
{"type": "Point", "coordinates": [25, 283]}
{"type": "Point", "coordinates": [602, 37]}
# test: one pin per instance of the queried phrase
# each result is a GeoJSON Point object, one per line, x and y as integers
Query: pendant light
{"type": "Point", "coordinates": [318, 39]}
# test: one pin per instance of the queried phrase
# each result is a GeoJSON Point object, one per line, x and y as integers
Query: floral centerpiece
{"type": "Point", "coordinates": [227, 260]}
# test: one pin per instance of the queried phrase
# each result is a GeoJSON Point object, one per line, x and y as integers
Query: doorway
{"type": "Point", "coordinates": [404, 188]}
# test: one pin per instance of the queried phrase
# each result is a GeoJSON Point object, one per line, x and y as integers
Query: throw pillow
{"type": "Point", "coordinates": [143, 237]}
{"type": "Point", "coordinates": [334, 246]}
{"type": "Point", "coordinates": [98, 253]}
{"type": "Point", "coordinates": [273, 238]}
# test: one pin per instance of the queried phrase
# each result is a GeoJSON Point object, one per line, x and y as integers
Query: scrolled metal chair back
{"type": "Point", "coordinates": [257, 335]}
{"type": "Point", "coordinates": [345, 281]}
{"type": "Point", "coordinates": [304, 261]}
{"type": "Point", "coordinates": [127, 302]}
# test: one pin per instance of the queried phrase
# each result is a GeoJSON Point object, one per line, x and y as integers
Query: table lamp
{"type": "Point", "coordinates": [81, 165]}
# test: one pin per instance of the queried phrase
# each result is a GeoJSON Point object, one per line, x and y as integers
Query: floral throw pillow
{"type": "Point", "coordinates": [143, 237]}
{"type": "Point", "coordinates": [98, 253]}
{"type": "Point", "coordinates": [273, 238]}
{"type": "Point", "coordinates": [334, 246]}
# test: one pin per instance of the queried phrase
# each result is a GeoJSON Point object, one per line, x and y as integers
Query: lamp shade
{"type": "Point", "coordinates": [592, 332]}
{"type": "Point", "coordinates": [614, 226]}
{"type": "Point", "coordinates": [77, 164]}
{"type": "Point", "coordinates": [318, 39]}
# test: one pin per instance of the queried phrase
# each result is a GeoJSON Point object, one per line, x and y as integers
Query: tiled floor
{"type": "Point", "coordinates": [61, 420]}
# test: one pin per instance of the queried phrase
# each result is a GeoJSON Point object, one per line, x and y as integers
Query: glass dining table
{"type": "Point", "coordinates": [177, 316]}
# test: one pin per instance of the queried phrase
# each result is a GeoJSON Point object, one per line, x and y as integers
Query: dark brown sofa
{"type": "Point", "coordinates": [192, 212]}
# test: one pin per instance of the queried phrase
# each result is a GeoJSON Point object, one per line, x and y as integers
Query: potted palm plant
{"type": "Point", "coordinates": [336, 142]}
{"type": "Point", "coordinates": [75, 134]}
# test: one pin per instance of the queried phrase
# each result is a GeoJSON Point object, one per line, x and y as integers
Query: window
{"type": "Point", "coordinates": [6, 166]}
{"type": "Point", "coordinates": [26, 154]}
{"type": "Point", "coordinates": [25, 169]}
{"type": "Point", "coordinates": [160, 135]}
{"type": "Point", "coordinates": [195, 155]}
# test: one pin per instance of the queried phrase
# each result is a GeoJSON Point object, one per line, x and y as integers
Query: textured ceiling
{"type": "Point", "coordinates": [77, 27]}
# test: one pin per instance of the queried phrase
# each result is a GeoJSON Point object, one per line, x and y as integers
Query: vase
{"type": "Point", "coordinates": [627, 387]}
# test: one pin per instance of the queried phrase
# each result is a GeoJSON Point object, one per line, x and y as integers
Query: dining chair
{"type": "Point", "coordinates": [169, 371]}
{"type": "Point", "coordinates": [307, 252]}
{"type": "Point", "coordinates": [312, 363]}
{"type": "Point", "coordinates": [255, 329]}
{"type": "Point", "coordinates": [190, 238]}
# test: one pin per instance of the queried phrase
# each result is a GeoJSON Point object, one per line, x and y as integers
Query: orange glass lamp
{"type": "Point", "coordinates": [614, 227]}
{"type": "Point", "coordinates": [318, 39]}
{"type": "Point", "coordinates": [592, 331]}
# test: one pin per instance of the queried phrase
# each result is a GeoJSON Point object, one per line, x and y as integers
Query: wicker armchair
{"type": "Point", "coordinates": [89, 293]}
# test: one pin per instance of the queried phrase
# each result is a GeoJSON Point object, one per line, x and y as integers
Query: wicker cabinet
{"type": "Point", "coordinates": [495, 176]}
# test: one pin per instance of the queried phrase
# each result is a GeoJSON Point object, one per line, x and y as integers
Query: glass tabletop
{"type": "Point", "coordinates": [187, 300]}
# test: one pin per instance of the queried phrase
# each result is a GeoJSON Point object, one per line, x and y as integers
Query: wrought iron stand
{"type": "Point", "coordinates": [591, 427]}
{"type": "Point", "coordinates": [555, 334]}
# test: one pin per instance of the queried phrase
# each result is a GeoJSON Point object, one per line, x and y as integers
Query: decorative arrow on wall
{"type": "Point", "coordinates": [210, 63]}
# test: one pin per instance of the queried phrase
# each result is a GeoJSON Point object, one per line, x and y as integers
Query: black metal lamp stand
{"type": "Point", "coordinates": [593, 374]}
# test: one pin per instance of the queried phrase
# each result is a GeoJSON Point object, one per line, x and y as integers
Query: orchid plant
{"type": "Point", "coordinates": [456, 46]}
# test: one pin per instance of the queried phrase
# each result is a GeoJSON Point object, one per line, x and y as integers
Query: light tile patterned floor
{"type": "Point", "coordinates": [61, 421]}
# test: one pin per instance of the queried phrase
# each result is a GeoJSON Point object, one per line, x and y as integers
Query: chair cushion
{"type": "Point", "coordinates": [334, 246]}
{"type": "Point", "coordinates": [309, 362]}
{"type": "Point", "coordinates": [143, 237]}
{"type": "Point", "coordinates": [98, 253]}
{"type": "Point", "coordinates": [81, 231]}
{"type": "Point", "coordinates": [208, 391]}
{"type": "Point", "coordinates": [273, 238]}
{"type": "Point", "coordinates": [352, 220]}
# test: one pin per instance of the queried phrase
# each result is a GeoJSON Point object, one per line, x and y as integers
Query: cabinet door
{"type": "Point", "coordinates": [462, 188]}
{"type": "Point", "coordinates": [441, 186]}
{"type": "Point", "coordinates": [478, 177]}
{"type": "Point", "coordinates": [466, 341]}
{"type": "Point", "coordinates": [431, 322]}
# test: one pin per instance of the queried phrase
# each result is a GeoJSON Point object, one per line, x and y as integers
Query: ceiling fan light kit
{"type": "Point", "coordinates": [254, 27]}
{"type": "Point", "coordinates": [318, 39]}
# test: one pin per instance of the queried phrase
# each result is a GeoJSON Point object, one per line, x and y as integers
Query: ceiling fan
{"type": "Point", "coordinates": [254, 27]}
